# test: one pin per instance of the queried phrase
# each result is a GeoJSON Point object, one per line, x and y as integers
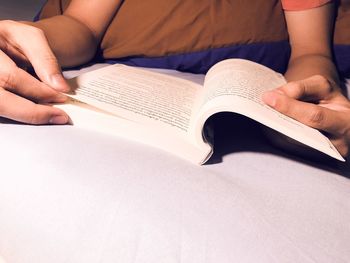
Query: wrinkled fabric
{"type": "Point", "coordinates": [175, 32]}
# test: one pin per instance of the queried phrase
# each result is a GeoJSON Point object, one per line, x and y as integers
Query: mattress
{"type": "Point", "coordinates": [72, 195]}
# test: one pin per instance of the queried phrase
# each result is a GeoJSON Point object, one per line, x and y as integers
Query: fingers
{"type": "Point", "coordinates": [22, 110]}
{"type": "Point", "coordinates": [342, 145]}
{"type": "Point", "coordinates": [20, 82]}
{"type": "Point", "coordinates": [311, 89]}
{"type": "Point", "coordinates": [15, 80]}
{"type": "Point", "coordinates": [312, 115]}
{"type": "Point", "coordinates": [33, 44]}
{"type": "Point", "coordinates": [18, 57]}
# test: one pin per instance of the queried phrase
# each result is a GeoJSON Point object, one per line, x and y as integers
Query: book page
{"type": "Point", "coordinates": [237, 85]}
{"type": "Point", "coordinates": [139, 95]}
{"type": "Point", "coordinates": [241, 78]}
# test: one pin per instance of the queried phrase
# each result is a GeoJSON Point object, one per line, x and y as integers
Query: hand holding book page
{"type": "Point", "coordinates": [170, 112]}
{"type": "Point", "coordinates": [237, 86]}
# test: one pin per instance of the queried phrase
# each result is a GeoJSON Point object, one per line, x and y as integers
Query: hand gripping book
{"type": "Point", "coordinates": [169, 111]}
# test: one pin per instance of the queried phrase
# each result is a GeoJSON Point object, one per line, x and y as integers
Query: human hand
{"type": "Point", "coordinates": [23, 45]}
{"type": "Point", "coordinates": [317, 103]}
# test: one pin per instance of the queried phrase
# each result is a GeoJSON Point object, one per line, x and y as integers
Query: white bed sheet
{"type": "Point", "coordinates": [70, 195]}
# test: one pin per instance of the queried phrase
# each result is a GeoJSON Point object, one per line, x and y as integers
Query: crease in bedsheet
{"type": "Point", "coordinates": [255, 217]}
{"type": "Point", "coordinates": [193, 246]}
{"type": "Point", "coordinates": [82, 252]}
{"type": "Point", "coordinates": [264, 220]}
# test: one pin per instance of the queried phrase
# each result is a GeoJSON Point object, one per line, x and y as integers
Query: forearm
{"type": "Point", "coordinates": [310, 36]}
{"type": "Point", "coordinates": [307, 65]}
{"type": "Point", "coordinates": [71, 41]}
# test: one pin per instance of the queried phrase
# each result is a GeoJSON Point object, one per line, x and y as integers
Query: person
{"type": "Point", "coordinates": [311, 96]}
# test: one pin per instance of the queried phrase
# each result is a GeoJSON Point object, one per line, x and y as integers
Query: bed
{"type": "Point", "coordinates": [72, 195]}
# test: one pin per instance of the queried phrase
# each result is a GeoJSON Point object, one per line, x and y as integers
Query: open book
{"type": "Point", "coordinates": [169, 111]}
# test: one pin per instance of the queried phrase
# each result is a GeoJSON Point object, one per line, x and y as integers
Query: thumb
{"type": "Point", "coordinates": [56, 81]}
{"type": "Point", "coordinates": [47, 68]}
{"type": "Point", "coordinates": [34, 45]}
{"type": "Point", "coordinates": [51, 74]}
{"type": "Point", "coordinates": [313, 88]}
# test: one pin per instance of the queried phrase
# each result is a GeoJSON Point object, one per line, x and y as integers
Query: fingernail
{"type": "Point", "coordinates": [59, 119]}
{"type": "Point", "coordinates": [70, 121]}
{"type": "Point", "coordinates": [270, 98]}
{"type": "Point", "coordinates": [279, 91]}
{"type": "Point", "coordinates": [58, 83]}
{"type": "Point", "coordinates": [61, 97]}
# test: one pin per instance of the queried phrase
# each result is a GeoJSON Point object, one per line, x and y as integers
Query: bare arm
{"type": "Point", "coordinates": [310, 34]}
{"type": "Point", "coordinates": [313, 95]}
{"type": "Point", "coordinates": [75, 35]}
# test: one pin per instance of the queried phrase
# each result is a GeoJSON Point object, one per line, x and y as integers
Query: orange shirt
{"type": "Point", "coordinates": [156, 28]}
{"type": "Point", "coordinates": [294, 5]}
{"type": "Point", "coordinates": [191, 35]}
